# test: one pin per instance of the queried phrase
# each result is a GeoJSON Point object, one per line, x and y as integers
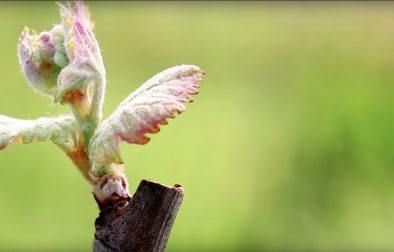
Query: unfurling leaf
{"type": "Point", "coordinates": [42, 56]}
{"type": "Point", "coordinates": [86, 64]}
{"type": "Point", "coordinates": [58, 129]}
{"type": "Point", "coordinates": [142, 112]}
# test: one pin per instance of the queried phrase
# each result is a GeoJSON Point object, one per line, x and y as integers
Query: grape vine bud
{"type": "Point", "coordinates": [42, 56]}
{"type": "Point", "coordinates": [112, 188]}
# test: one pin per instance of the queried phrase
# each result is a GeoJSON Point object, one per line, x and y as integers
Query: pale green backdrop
{"type": "Point", "coordinates": [288, 146]}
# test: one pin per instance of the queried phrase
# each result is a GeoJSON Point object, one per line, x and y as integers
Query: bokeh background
{"type": "Point", "coordinates": [288, 146]}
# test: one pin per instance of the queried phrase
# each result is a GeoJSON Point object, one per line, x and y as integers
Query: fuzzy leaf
{"type": "Point", "coordinates": [161, 97]}
{"type": "Point", "coordinates": [42, 56]}
{"type": "Point", "coordinates": [86, 64]}
{"type": "Point", "coordinates": [57, 129]}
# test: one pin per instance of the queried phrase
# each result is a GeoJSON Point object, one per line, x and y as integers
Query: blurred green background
{"type": "Point", "coordinates": [288, 146]}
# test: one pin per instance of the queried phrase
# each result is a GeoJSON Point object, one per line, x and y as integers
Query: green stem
{"type": "Point", "coordinates": [98, 100]}
{"type": "Point", "coordinates": [84, 121]}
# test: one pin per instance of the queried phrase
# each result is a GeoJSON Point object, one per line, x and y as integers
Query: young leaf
{"type": "Point", "coordinates": [58, 129]}
{"type": "Point", "coordinates": [86, 64]}
{"type": "Point", "coordinates": [5, 120]}
{"type": "Point", "coordinates": [42, 56]}
{"type": "Point", "coordinates": [142, 112]}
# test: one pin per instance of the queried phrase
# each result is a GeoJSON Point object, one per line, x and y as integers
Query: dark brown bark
{"type": "Point", "coordinates": [142, 225]}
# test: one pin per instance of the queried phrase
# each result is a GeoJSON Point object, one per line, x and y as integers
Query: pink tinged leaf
{"type": "Point", "coordinates": [144, 110]}
{"type": "Point", "coordinates": [86, 64]}
{"type": "Point", "coordinates": [36, 57]}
